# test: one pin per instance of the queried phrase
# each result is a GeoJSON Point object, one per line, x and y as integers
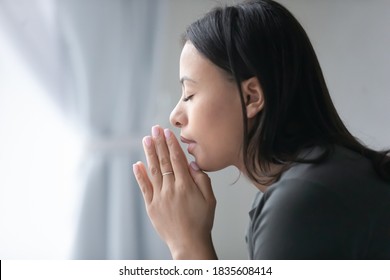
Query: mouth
{"type": "Point", "coordinates": [190, 143]}
{"type": "Point", "coordinates": [185, 140]}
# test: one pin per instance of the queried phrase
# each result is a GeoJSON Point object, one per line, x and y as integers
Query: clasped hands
{"type": "Point", "coordinates": [178, 197]}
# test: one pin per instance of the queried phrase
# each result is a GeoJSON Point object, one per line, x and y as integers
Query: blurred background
{"type": "Point", "coordinates": [82, 81]}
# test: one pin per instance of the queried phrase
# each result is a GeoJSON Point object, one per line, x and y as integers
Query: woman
{"type": "Point", "coordinates": [254, 97]}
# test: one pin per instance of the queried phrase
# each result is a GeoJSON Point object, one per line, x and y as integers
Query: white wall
{"type": "Point", "coordinates": [352, 41]}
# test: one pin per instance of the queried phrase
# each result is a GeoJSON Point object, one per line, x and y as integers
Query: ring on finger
{"type": "Point", "coordinates": [167, 173]}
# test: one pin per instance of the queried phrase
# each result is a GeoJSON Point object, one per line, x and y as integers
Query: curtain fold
{"type": "Point", "coordinates": [99, 61]}
{"type": "Point", "coordinates": [113, 46]}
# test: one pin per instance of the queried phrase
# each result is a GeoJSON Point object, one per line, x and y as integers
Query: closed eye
{"type": "Point", "coordinates": [185, 99]}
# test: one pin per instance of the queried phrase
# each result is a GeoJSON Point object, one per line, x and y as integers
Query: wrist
{"type": "Point", "coordinates": [194, 251]}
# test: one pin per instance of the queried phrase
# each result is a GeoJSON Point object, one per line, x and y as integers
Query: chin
{"type": "Point", "coordinates": [206, 166]}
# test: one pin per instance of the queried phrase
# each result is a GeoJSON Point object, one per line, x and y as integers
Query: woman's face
{"type": "Point", "coordinates": [209, 113]}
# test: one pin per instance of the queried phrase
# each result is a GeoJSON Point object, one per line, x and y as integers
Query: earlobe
{"type": "Point", "coordinates": [253, 96]}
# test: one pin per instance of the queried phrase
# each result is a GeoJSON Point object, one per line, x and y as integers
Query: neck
{"type": "Point", "coordinates": [268, 180]}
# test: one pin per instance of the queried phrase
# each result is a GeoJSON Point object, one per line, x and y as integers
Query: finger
{"type": "Point", "coordinates": [162, 153]}
{"type": "Point", "coordinates": [153, 163]}
{"type": "Point", "coordinates": [178, 159]}
{"type": "Point", "coordinates": [202, 180]}
{"type": "Point", "coordinates": [143, 181]}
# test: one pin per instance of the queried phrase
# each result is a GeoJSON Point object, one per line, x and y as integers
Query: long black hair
{"type": "Point", "coordinates": [261, 38]}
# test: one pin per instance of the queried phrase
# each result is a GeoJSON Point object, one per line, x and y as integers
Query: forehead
{"type": "Point", "coordinates": [188, 50]}
{"type": "Point", "coordinates": [190, 57]}
{"type": "Point", "coordinates": [194, 66]}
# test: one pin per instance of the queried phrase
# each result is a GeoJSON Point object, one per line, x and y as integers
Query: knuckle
{"type": "Point", "coordinates": [150, 153]}
{"type": "Point", "coordinates": [153, 170]}
{"type": "Point", "coordinates": [159, 141]}
{"type": "Point", "coordinates": [164, 161]}
{"type": "Point", "coordinates": [176, 155]}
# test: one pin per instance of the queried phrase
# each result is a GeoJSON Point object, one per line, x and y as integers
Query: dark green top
{"type": "Point", "coordinates": [338, 209]}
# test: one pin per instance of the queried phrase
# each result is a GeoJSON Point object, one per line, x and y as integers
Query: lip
{"type": "Point", "coordinates": [190, 143]}
{"type": "Point", "coordinates": [185, 140]}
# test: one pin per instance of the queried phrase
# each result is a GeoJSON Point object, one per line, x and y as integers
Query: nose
{"type": "Point", "coordinates": [177, 116]}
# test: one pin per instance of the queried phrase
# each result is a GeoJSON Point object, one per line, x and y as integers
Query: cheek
{"type": "Point", "coordinates": [227, 121]}
{"type": "Point", "coordinates": [217, 154]}
{"type": "Point", "coordinates": [221, 130]}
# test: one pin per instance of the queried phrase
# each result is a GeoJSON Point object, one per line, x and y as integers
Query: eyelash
{"type": "Point", "coordinates": [185, 99]}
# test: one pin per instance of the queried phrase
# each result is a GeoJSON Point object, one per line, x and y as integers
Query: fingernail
{"type": "Point", "coordinates": [167, 133]}
{"type": "Point", "coordinates": [155, 131]}
{"type": "Point", "coordinates": [135, 168]}
{"type": "Point", "coordinates": [194, 166]}
{"type": "Point", "coordinates": [147, 141]}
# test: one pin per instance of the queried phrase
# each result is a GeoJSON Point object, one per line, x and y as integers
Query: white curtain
{"type": "Point", "coordinates": [97, 62]}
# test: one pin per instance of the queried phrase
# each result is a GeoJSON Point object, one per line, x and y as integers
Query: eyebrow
{"type": "Point", "coordinates": [185, 78]}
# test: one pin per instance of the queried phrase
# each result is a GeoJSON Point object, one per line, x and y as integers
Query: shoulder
{"type": "Point", "coordinates": [296, 219]}
{"type": "Point", "coordinates": [292, 203]}
{"type": "Point", "coordinates": [344, 174]}
{"type": "Point", "coordinates": [320, 211]}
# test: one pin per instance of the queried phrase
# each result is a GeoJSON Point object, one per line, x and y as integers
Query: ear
{"type": "Point", "coordinates": [253, 96]}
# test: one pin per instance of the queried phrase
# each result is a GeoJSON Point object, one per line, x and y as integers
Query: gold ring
{"type": "Point", "coordinates": [167, 173]}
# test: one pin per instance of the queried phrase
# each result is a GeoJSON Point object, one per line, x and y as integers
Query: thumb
{"type": "Point", "coordinates": [202, 180]}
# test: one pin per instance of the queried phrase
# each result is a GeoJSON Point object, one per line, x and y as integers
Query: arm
{"type": "Point", "coordinates": [180, 205]}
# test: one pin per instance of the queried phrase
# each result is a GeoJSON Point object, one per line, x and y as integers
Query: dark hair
{"type": "Point", "coordinates": [263, 39]}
